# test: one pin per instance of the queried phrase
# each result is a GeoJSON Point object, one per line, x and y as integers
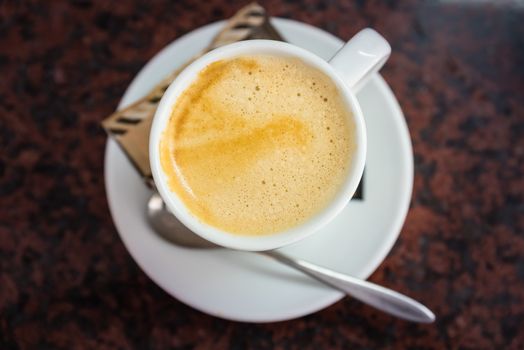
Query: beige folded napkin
{"type": "Point", "coordinates": [130, 126]}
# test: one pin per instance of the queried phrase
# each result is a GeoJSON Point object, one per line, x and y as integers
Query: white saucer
{"type": "Point", "coordinates": [245, 286]}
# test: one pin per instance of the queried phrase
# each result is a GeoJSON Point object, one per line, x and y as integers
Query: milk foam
{"type": "Point", "coordinates": [258, 144]}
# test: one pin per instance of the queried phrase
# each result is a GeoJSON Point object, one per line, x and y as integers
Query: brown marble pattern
{"type": "Point", "coordinates": [66, 280]}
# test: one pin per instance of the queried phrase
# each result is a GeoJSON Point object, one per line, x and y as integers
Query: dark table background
{"type": "Point", "coordinates": [66, 280]}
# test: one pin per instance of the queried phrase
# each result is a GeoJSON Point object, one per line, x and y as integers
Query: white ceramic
{"type": "Point", "coordinates": [355, 62]}
{"type": "Point", "coordinates": [243, 286]}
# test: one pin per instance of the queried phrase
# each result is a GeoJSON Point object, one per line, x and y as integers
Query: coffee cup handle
{"type": "Point", "coordinates": [360, 58]}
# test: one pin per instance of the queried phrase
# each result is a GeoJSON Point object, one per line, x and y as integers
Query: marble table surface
{"type": "Point", "coordinates": [66, 280]}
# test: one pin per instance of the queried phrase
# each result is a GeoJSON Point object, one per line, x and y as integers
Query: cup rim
{"type": "Point", "coordinates": [274, 240]}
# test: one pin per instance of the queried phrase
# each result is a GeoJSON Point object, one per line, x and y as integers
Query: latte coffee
{"type": "Point", "coordinates": [258, 144]}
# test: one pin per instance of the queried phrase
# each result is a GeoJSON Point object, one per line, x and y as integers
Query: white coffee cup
{"type": "Point", "coordinates": [349, 69]}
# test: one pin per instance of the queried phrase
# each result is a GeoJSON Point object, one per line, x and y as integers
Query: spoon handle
{"type": "Point", "coordinates": [369, 293]}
